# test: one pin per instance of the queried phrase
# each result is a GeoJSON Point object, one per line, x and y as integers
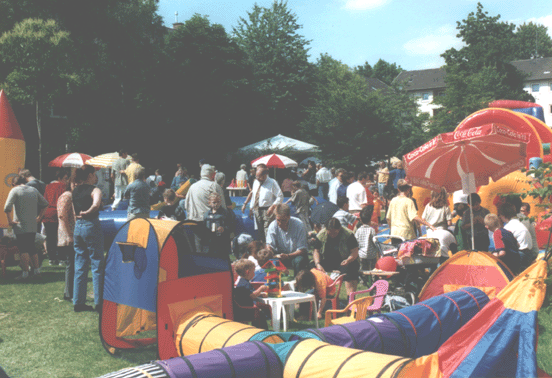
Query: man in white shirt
{"type": "Point", "coordinates": [334, 184]}
{"type": "Point", "coordinates": [265, 195]}
{"type": "Point", "coordinates": [356, 192]}
{"type": "Point", "coordinates": [507, 214]}
{"type": "Point", "coordinates": [323, 178]}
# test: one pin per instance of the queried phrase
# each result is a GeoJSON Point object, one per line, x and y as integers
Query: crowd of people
{"type": "Point", "coordinates": [66, 212]}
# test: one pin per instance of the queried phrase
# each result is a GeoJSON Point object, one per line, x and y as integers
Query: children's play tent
{"type": "Point", "coordinates": [468, 268]}
{"type": "Point", "coordinates": [151, 274]}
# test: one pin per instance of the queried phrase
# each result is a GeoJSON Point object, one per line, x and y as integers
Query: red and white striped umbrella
{"type": "Point", "coordinates": [491, 150]}
{"type": "Point", "coordinates": [72, 159]}
{"type": "Point", "coordinates": [274, 161]}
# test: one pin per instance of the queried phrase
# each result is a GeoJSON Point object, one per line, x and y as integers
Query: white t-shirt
{"type": "Point", "coordinates": [437, 217]}
{"type": "Point", "coordinates": [520, 232]}
{"type": "Point", "coordinates": [356, 192]}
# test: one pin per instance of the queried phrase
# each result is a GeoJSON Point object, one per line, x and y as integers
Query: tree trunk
{"type": "Point", "coordinates": [39, 128]}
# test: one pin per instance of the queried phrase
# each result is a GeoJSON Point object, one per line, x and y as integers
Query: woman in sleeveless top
{"type": "Point", "coordinates": [87, 237]}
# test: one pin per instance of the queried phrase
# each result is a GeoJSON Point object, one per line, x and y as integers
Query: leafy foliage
{"type": "Point", "coordinates": [480, 71]}
{"type": "Point", "coordinates": [278, 55]}
{"type": "Point", "coordinates": [532, 41]}
{"type": "Point", "coordinates": [382, 70]}
{"type": "Point", "coordinates": [345, 121]}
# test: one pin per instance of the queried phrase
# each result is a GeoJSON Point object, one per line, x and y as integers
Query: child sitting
{"type": "Point", "coordinates": [319, 281]}
{"type": "Point", "coordinates": [506, 245]}
{"type": "Point", "coordinates": [220, 224]}
{"type": "Point", "coordinates": [367, 250]}
{"type": "Point", "coordinates": [343, 215]}
{"type": "Point", "coordinates": [244, 295]}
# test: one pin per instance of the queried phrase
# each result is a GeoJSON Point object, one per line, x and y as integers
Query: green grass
{"type": "Point", "coordinates": [41, 336]}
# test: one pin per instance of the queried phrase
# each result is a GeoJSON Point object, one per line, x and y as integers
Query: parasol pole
{"type": "Point", "coordinates": [469, 200]}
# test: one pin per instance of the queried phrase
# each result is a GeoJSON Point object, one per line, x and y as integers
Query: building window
{"type": "Point", "coordinates": [425, 96]}
{"type": "Point", "coordinates": [535, 87]}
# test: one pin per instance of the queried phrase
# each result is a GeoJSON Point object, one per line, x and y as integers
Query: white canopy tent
{"type": "Point", "coordinates": [280, 142]}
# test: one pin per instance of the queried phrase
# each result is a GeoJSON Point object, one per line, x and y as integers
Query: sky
{"type": "Point", "coordinates": [412, 34]}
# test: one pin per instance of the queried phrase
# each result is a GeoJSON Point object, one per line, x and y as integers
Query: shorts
{"type": "Point", "coordinates": [26, 243]}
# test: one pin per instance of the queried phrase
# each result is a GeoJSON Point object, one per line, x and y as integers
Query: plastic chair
{"type": "Point", "coordinates": [382, 287]}
{"type": "Point", "coordinates": [333, 299]}
{"type": "Point", "coordinates": [358, 309]}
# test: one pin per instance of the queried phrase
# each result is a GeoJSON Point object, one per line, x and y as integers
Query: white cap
{"type": "Point", "coordinates": [459, 197]}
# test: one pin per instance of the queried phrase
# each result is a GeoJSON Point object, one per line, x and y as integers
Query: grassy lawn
{"type": "Point", "coordinates": [41, 336]}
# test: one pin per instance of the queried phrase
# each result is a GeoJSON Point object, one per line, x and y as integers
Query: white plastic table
{"type": "Point", "coordinates": [287, 304]}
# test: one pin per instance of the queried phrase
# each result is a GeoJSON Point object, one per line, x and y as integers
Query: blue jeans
{"type": "Point", "coordinates": [88, 244]}
{"type": "Point", "coordinates": [381, 188]}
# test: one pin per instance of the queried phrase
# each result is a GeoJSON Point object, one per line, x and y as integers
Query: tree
{"type": "Point", "coordinates": [211, 77]}
{"type": "Point", "coordinates": [345, 121]}
{"type": "Point", "coordinates": [532, 41]}
{"type": "Point", "coordinates": [382, 70]}
{"type": "Point", "coordinates": [38, 57]}
{"type": "Point", "coordinates": [278, 56]}
{"type": "Point", "coordinates": [480, 71]}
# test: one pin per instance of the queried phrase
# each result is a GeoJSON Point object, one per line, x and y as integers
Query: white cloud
{"type": "Point", "coordinates": [364, 4]}
{"type": "Point", "coordinates": [433, 43]}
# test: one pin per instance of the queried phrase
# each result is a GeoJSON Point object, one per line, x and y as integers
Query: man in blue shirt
{"type": "Point", "coordinates": [287, 237]}
{"type": "Point", "coordinates": [139, 193]}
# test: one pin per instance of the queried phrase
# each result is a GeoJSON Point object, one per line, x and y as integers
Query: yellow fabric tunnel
{"type": "Point", "coordinates": [316, 359]}
{"type": "Point", "coordinates": [199, 332]}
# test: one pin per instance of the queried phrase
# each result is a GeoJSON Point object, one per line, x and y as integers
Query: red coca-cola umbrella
{"type": "Point", "coordinates": [468, 156]}
{"type": "Point", "coordinates": [491, 150]}
{"type": "Point", "coordinates": [72, 159]}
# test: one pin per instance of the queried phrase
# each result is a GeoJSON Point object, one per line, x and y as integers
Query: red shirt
{"type": "Point", "coordinates": [52, 193]}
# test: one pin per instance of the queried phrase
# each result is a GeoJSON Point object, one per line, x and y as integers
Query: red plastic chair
{"type": "Point", "coordinates": [381, 287]}
{"type": "Point", "coordinates": [336, 283]}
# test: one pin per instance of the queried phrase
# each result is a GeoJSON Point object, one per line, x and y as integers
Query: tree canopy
{"type": "Point", "coordinates": [345, 120]}
{"type": "Point", "coordinates": [481, 71]}
{"type": "Point", "coordinates": [532, 41]}
{"type": "Point", "coordinates": [278, 55]}
{"type": "Point", "coordinates": [382, 70]}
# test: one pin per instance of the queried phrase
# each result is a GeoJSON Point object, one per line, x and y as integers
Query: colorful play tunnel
{"type": "Point", "coordinates": [413, 331]}
{"type": "Point", "coordinates": [382, 344]}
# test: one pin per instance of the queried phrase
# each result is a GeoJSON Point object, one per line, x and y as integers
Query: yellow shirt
{"type": "Point", "coordinates": [383, 175]}
{"type": "Point", "coordinates": [400, 216]}
{"type": "Point", "coordinates": [131, 171]}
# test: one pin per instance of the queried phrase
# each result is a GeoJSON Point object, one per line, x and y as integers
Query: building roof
{"type": "Point", "coordinates": [433, 78]}
{"type": "Point", "coordinates": [376, 84]}
{"type": "Point", "coordinates": [537, 69]}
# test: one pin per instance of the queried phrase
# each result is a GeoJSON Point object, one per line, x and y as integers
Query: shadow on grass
{"type": "Point", "coordinates": [137, 356]}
